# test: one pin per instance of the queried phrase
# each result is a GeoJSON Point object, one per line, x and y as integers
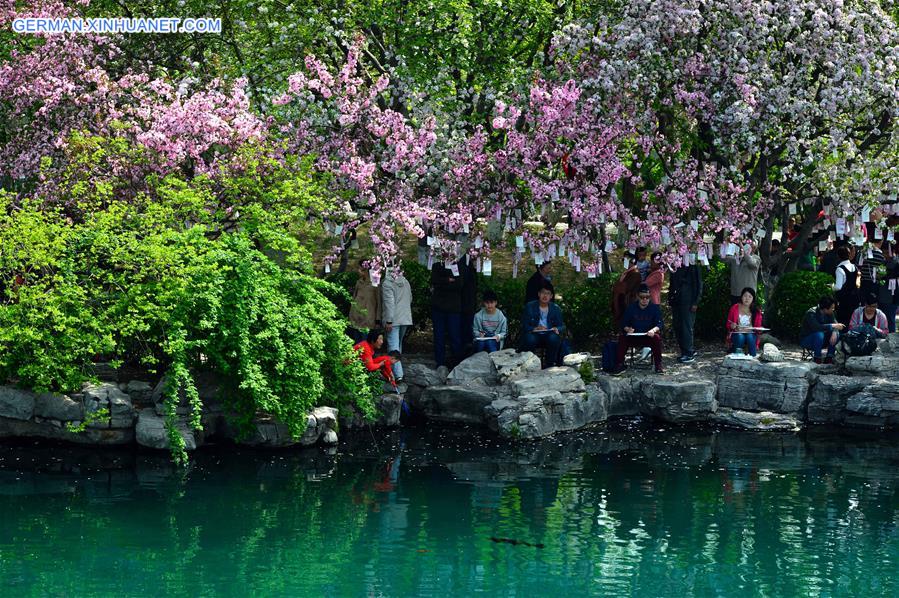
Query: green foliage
{"type": "Point", "coordinates": [587, 372]}
{"type": "Point", "coordinates": [587, 308]}
{"type": "Point", "coordinates": [711, 314]}
{"type": "Point", "coordinates": [794, 294]}
{"type": "Point", "coordinates": [89, 418]}
{"type": "Point", "coordinates": [158, 281]}
{"type": "Point", "coordinates": [419, 278]}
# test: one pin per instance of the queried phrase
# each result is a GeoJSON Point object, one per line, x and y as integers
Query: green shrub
{"type": "Point", "coordinates": [794, 294]}
{"type": "Point", "coordinates": [419, 278]}
{"type": "Point", "coordinates": [711, 314]}
{"type": "Point", "coordinates": [587, 308]}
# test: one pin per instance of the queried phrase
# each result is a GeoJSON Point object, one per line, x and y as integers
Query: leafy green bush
{"type": "Point", "coordinates": [711, 315]}
{"type": "Point", "coordinates": [587, 308]}
{"type": "Point", "coordinates": [794, 294]}
{"type": "Point", "coordinates": [155, 281]}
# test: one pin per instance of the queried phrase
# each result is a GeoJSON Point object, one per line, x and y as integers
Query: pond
{"type": "Point", "coordinates": [632, 509]}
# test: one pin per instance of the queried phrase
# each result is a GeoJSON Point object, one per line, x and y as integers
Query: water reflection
{"type": "Point", "coordinates": [629, 510]}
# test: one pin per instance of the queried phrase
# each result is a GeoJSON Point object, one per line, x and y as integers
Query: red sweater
{"type": "Point", "coordinates": [733, 320]}
{"type": "Point", "coordinates": [372, 363]}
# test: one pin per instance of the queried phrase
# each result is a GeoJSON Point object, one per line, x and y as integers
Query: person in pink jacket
{"type": "Point", "coordinates": [741, 318]}
{"type": "Point", "coordinates": [655, 278]}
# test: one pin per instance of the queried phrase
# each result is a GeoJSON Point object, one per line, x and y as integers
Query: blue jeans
{"type": "Point", "coordinates": [550, 340]}
{"type": "Point", "coordinates": [446, 324]}
{"type": "Point", "coordinates": [394, 340]}
{"type": "Point", "coordinates": [744, 340]}
{"type": "Point", "coordinates": [489, 346]}
{"type": "Point", "coordinates": [816, 341]}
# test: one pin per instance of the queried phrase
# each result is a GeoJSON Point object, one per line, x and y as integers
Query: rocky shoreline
{"type": "Point", "coordinates": [506, 392]}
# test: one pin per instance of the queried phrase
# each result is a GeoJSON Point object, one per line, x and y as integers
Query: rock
{"type": "Point", "coordinates": [422, 376]}
{"type": "Point", "coordinates": [878, 365]}
{"type": "Point", "coordinates": [55, 430]}
{"type": "Point", "coordinates": [768, 338]}
{"type": "Point", "coordinates": [678, 401]}
{"type": "Point", "coordinates": [325, 416]}
{"type": "Point", "coordinates": [561, 379]}
{"type": "Point", "coordinates": [16, 403]}
{"type": "Point", "coordinates": [389, 410]}
{"type": "Point", "coordinates": [151, 431]}
{"type": "Point", "coordinates": [876, 406]}
{"type": "Point", "coordinates": [477, 369]}
{"type": "Point", "coordinates": [755, 386]}
{"type": "Point", "coordinates": [827, 403]}
{"type": "Point", "coordinates": [511, 365]}
{"type": "Point", "coordinates": [462, 404]}
{"type": "Point", "coordinates": [57, 407]}
{"type": "Point", "coordinates": [574, 360]}
{"type": "Point", "coordinates": [892, 343]}
{"type": "Point", "coordinates": [771, 354]}
{"type": "Point", "coordinates": [752, 420]}
{"type": "Point", "coordinates": [624, 395]}
{"type": "Point", "coordinates": [329, 437]}
{"type": "Point", "coordinates": [107, 395]}
{"type": "Point", "coordinates": [139, 391]}
{"type": "Point", "coordinates": [545, 413]}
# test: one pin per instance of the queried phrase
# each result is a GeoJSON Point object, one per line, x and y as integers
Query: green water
{"type": "Point", "coordinates": [632, 511]}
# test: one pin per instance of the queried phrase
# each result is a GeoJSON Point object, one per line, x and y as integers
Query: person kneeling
{"type": "Point", "coordinates": [489, 327]}
{"type": "Point", "coordinates": [870, 315]}
{"type": "Point", "coordinates": [820, 328]}
{"type": "Point", "coordinates": [742, 321]}
{"type": "Point", "coordinates": [542, 325]}
{"type": "Point", "coordinates": [641, 326]}
{"type": "Point", "coordinates": [366, 349]}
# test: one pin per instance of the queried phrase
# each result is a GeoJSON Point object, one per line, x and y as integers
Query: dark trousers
{"type": "Point", "coordinates": [889, 310]}
{"type": "Point", "coordinates": [845, 306]}
{"type": "Point", "coordinates": [446, 324]}
{"type": "Point", "coordinates": [625, 342]}
{"type": "Point", "coordinates": [549, 340]}
{"type": "Point", "coordinates": [466, 321]}
{"type": "Point", "coordinates": [683, 319]}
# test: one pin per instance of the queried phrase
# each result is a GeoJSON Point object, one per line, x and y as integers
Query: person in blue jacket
{"type": "Point", "coordinates": [644, 319]}
{"type": "Point", "coordinates": [542, 325]}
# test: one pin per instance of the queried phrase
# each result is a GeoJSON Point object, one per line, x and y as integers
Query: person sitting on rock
{"type": "Point", "coordinates": [869, 314]}
{"type": "Point", "coordinates": [367, 349]}
{"type": "Point", "coordinates": [641, 326]}
{"type": "Point", "coordinates": [741, 318]}
{"type": "Point", "coordinates": [820, 328]}
{"type": "Point", "coordinates": [489, 327]}
{"type": "Point", "coordinates": [542, 325]}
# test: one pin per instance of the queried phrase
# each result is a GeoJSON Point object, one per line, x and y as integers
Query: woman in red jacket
{"type": "Point", "coordinates": [366, 349]}
{"type": "Point", "coordinates": [742, 317]}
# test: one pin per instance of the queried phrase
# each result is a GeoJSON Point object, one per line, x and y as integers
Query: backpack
{"type": "Point", "coordinates": [859, 342]}
{"type": "Point", "coordinates": [609, 356]}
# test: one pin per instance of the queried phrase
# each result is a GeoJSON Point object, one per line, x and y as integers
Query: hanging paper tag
{"type": "Point", "coordinates": [515, 269]}
{"type": "Point", "coordinates": [465, 228]}
{"type": "Point", "coordinates": [479, 265]}
{"type": "Point", "coordinates": [841, 227]}
{"type": "Point", "coordinates": [609, 246]}
{"type": "Point", "coordinates": [430, 261]}
{"type": "Point", "coordinates": [538, 258]}
{"type": "Point", "coordinates": [430, 241]}
{"type": "Point", "coordinates": [731, 249]}
{"type": "Point", "coordinates": [694, 224]}
{"type": "Point", "coordinates": [870, 254]}
{"type": "Point", "coordinates": [878, 234]}
{"type": "Point", "coordinates": [327, 268]}
{"type": "Point", "coordinates": [499, 214]}
{"type": "Point", "coordinates": [338, 229]}
{"type": "Point", "coordinates": [354, 244]}
{"type": "Point", "coordinates": [488, 268]}
{"type": "Point", "coordinates": [866, 214]}
{"type": "Point", "coordinates": [792, 209]}
{"type": "Point", "coordinates": [519, 242]}
{"type": "Point", "coordinates": [591, 273]}
{"type": "Point", "coordinates": [890, 236]}
{"type": "Point", "coordinates": [666, 235]}
{"type": "Point", "coordinates": [478, 242]}
{"type": "Point", "coordinates": [375, 278]}
{"type": "Point", "coordinates": [892, 284]}
{"type": "Point", "coordinates": [627, 263]}
{"type": "Point", "coordinates": [822, 245]}
{"type": "Point", "coordinates": [454, 269]}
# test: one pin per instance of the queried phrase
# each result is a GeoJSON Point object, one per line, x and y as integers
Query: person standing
{"type": "Point", "coordinates": [656, 278]}
{"type": "Point", "coordinates": [744, 273]}
{"type": "Point", "coordinates": [845, 285]}
{"type": "Point", "coordinates": [541, 277]}
{"type": "Point", "coordinates": [365, 313]}
{"type": "Point", "coordinates": [868, 266]}
{"type": "Point", "coordinates": [469, 300]}
{"type": "Point", "coordinates": [889, 297]}
{"type": "Point", "coordinates": [684, 293]}
{"type": "Point", "coordinates": [446, 311]}
{"type": "Point", "coordinates": [396, 313]}
{"type": "Point", "coordinates": [542, 325]}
